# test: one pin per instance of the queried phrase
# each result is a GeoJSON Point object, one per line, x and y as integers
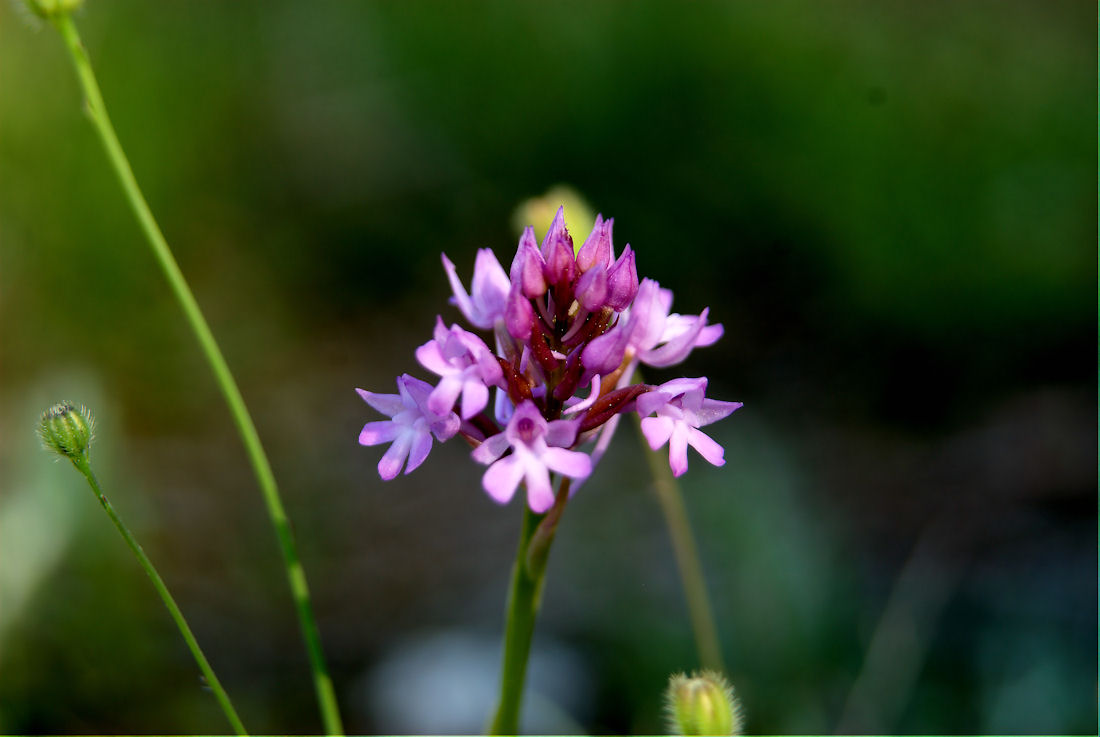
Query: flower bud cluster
{"type": "Point", "coordinates": [569, 327]}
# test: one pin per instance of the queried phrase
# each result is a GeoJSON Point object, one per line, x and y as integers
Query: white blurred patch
{"type": "Point", "coordinates": [447, 682]}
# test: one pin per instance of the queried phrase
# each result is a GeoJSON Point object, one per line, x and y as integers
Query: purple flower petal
{"type": "Point", "coordinates": [707, 447]}
{"type": "Point", "coordinates": [540, 494]}
{"type": "Point", "coordinates": [570, 463]}
{"type": "Point", "coordinates": [391, 462]}
{"type": "Point", "coordinates": [657, 430]}
{"type": "Point", "coordinates": [677, 450]}
{"type": "Point", "coordinates": [492, 449]}
{"type": "Point", "coordinates": [502, 478]}
{"type": "Point", "coordinates": [421, 446]}
{"type": "Point", "coordinates": [387, 404]}
{"type": "Point", "coordinates": [375, 433]}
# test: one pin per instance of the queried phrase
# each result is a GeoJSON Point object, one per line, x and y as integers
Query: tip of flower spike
{"type": "Point", "coordinates": [66, 430]}
{"type": "Point", "coordinates": [703, 704]}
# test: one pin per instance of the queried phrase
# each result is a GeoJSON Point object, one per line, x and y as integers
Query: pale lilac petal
{"type": "Point", "coordinates": [390, 465]}
{"type": "Point", "coordinates": [443, 397]}
{"type": "Point", "coordinates": [489, 368]}
{"type": "Point", "coordinates": [475, 397]}
{"type": "Point", "coordinates": [647, 316]}
{"type": "Point", "coordinates": [491, 449]}
{"type": "Point", "coordinates": [678, 387]}
{"type": "Point", "coordinates": [714, 410]}
{"type": "Point", "coordinates": [490, 287]}
{"type": "Point", "coordinates": [461, 299]}
{"type": "Point", "coordinates": [445, 427]}
{"type": "Point", "coordinates": [707, 447]}
{"type": "Point", "coordinates": [421, 445]}
{"type": "Point", "coordinates": [570, 463]}
{"type": "Point", "coordinates": [415, 388]}
{"type": "Point", "coordinates": [431, 357]}
{"type": "Point", "coordinates": [540, 494]}
{"type": "Point", "coordinates": [709, 335]}
{"type": "Point", "coordinates": [650, 402]}
{"type": "Point", "coordinates": [502, 478]}
{"type": "Point", "coordinates": [657, 430]}
{"type": "Point", "coordinates": [387, 404]}
{"type": "Point", "coordinates": [677, 349]}
{"type": "Point", "coordinates": [375, 433]}
{"type": "Point", "coordinates": [677, 450]}
{"type": "Point", "coordinates": [562, 433]}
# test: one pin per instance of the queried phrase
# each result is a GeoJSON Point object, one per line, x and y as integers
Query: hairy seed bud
{"type": "Point", "coordinates": [702, 704]}
{"type": "Point", "coordinates": [66, 430]}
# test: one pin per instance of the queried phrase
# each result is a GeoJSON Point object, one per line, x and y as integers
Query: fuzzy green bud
{"type": "Point", "coordinates": [702, 704]}
{"type": "Point", "coordinates": [52, 8]}
{"type": "Point", "coordinates": [66, 430]}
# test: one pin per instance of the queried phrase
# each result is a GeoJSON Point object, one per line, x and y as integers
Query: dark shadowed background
{"type": "Point", "coordinates": [890, 206]}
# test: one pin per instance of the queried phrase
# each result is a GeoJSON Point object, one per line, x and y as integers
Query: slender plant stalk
{"type": "Point", "coordinates": [524, 597]}
{"type": "Point", "coordinates": [97, 112]}
{"type": "Point", "coordinates": [687, 555]}
{"type": "Point", "coordinates": [81, 463]}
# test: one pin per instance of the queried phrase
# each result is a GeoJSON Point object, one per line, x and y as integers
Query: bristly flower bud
{"type": "Point", "coordinates": [66, 430]}
{"type": "Point", "coordinates": [52, 8]}
{"type": "Point", "coordinates": [702, 704]}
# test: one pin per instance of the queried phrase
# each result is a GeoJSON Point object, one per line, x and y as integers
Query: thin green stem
{"type": "Point", "coordinates": [686, 552]}
{"type": "Point", "coordinates": [81, 463]}
{"type": "Point", "coordinates": [97, 112]}
{"type": "Point", "coordinates": [524, 598]}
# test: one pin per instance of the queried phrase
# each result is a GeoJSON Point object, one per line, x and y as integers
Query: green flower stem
{"type": "Point", "coordinates": [524, 597]}
{"type": "Point", "coordinates": [81, 463]}
{"type": "Point", "coordinates": [684, 548]}
{"type": "Point", "coordinates": [97, 112]}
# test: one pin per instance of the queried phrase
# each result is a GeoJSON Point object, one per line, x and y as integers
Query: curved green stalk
{"type": "Point", "coordinates": [81, 463]}
{"type": "Point", "coordinates": [684, 548]}
{"type": "Point", "coordinates": [97, 112]}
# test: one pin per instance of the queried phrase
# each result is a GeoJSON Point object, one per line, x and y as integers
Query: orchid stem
{"type": "Point", "coordinates": [97, 112]}
{"type": "Point", "coordinates": [524, 597]}
{"type": "Point", "coordinates": [81, 464]}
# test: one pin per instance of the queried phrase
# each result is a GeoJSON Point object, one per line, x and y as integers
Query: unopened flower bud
{"type": "Point", "coordinates": [66, 430]}
{"type": "Point", "coordinates": [596, 250]}
{"type": "Point", "coordinates": [622, 281]}
{"type": "Point", "coordinates": [702, 704]}
{"type": "Point", "coordinates": [557, 251]}
{"type": "Point", "coordinates": [52, 8]}
{"type": "Point", "coordinates": [527, 266]}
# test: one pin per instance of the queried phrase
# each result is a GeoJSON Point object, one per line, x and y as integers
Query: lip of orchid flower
{"type": "Point", "coordinates": [410, 427]}
{"type": "Point", "coordinates": [538, 447]}
{"type": "Point", "coordinates": [484, 305]}
{"type": "Point", "coordinates": [466, 365]}
{"type": "Point", "coordinates": [681, 409]}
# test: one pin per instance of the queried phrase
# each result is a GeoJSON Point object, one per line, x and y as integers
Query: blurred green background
{"type": "Point", "coordinates": [890, 206]}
